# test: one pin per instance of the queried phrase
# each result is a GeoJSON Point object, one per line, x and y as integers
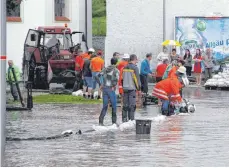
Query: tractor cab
{"type": "Point", "coordinates": [49, 56]}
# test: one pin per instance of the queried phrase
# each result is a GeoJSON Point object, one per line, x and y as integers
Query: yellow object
{"type": "Point", "coordinates": [171, 43]}
{"type": "Point", "coordinates": [133, 76]}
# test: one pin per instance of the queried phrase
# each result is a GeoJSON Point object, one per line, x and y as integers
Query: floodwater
{"type": "Point", "coordinates": [199, 139]}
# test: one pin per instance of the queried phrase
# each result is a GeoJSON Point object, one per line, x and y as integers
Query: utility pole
{"type": "Point", "coordinates": [164, 20]}
{"type": "Point", "coordinates": [3, 76]}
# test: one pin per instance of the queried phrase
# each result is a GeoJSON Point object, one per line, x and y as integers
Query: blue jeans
{"type": "Point", "coordinates": [108, 94]}
{"type": "Point", "coordinates": [88, 82]}
{"type": "Point", "coordinates": [166, 109]}
{"type": "Point", "coordinates": [94, 74]}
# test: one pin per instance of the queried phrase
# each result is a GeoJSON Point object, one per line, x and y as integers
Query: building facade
{"type": "Point", "coordinates": [140, 26]}
{"type": "Point", "coordinates": [33, 13]}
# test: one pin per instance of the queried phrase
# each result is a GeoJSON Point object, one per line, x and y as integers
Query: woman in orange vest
{"type": "Point", "coordinates": [168, 90]}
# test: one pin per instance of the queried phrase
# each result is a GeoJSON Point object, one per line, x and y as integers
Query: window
{"type": "Point", "coordinates": [61, 10]}
{"type": "Point", "coordinates": [65, 41]}
{"type": "Point", "coordinates": [13, 11]}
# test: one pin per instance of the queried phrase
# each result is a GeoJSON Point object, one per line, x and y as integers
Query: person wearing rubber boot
{"type": "Point", "coordinates": [168, 91]}
{"type": "Point", "coordinates": [110, 77]}
{"type": "Point", "coordinates": [124, 62]}
{"type": "Point", "coordinates": [12, 81]}
{"type": "Point", "coordinates": [130, 83]}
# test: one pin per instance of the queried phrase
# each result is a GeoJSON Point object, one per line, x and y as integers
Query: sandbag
{"type": "Point", "coordinates": [216, 77]}
{"type": "Point", "coordinates": [221, 84]}
{"type": "Point", "coordinates": [221, 80]}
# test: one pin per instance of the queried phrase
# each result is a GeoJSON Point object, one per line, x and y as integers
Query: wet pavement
{"type": "Point", "coordinates": [199, 139]}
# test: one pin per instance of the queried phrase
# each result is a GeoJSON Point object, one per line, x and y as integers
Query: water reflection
{"type": "Point", "coordinates": [196, 140]}
{"type": "Point", "coordinates": [197, 93]}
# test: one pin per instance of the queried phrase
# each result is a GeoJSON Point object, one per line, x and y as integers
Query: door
{"type": "Point", "coordinates": [31, 54]}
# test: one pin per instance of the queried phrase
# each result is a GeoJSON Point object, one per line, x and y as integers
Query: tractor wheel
{"type": "Point", "coordinates": [40, 78]}
{"type": "Point", "coordinates": [28, 70]}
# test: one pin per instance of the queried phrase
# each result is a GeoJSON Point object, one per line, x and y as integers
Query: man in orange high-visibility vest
{"type": "Point", "coordinates": [168, 90]}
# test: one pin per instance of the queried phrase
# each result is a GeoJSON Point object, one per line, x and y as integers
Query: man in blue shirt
{"type": "Point", "coordinates": [144, 72]}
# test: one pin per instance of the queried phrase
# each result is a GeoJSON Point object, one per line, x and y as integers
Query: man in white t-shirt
{"type": "Point", "coordinates": [162, 56]}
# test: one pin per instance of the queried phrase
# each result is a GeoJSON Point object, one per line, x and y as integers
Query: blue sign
{"type": "Point", "coordinates": [203, 33]}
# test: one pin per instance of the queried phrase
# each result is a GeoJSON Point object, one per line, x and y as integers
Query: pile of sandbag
{"type": "Point", "coordinates": [219, 80]}
{"type": "Point", "coordinates": [80, 93]}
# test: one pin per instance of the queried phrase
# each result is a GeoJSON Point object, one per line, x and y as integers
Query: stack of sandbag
{"type": "Point", "coordinates": [219, 80]}
{"type": "Point", "coordinates": [80, 93]}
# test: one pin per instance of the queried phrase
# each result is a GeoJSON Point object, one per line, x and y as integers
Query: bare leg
{"type": "Point", "coordinates": [200, 79]}
{"type": "Point", "coordinates": [197, 79]}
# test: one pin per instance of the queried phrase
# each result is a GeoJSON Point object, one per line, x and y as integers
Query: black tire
{"type": "Point", "coordinates": [40, 78]}
{"type": "Point", "coordinates": [28, 70]}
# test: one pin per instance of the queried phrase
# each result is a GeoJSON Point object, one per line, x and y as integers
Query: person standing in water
{"type": "Point", "coordinates": [131, 83]}
{"type": "Point", "coordinates": [110, 77]}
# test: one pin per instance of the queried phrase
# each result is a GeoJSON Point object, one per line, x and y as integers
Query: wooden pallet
{"type": "Point", "coordinates": [216, 88]}
{"type": "Point", "coordinates": [211, 87]}
{"type": "Point", "coordinates": [223, 88]}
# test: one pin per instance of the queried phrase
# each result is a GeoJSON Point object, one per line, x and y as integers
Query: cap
{"type": "Point", "coordinates": [165, 60]}
{"type": "Point", "coordinates": [182, 70]}
{"type": "Point", "coordinates": [126, 56]}
{"type": "Point", "coordinates": [91, 50]}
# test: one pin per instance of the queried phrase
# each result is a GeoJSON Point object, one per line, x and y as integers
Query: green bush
{"type": "Point", "coordinates": [99, 17]}
{"type": "Point", "coordinates": [99, 26]}
{"type": "Point", "coordinates": [98, 8]}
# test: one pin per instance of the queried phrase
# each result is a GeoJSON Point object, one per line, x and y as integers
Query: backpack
{"type": "Point", "coordinates": [110, 76]}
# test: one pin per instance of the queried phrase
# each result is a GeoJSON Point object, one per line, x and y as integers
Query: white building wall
{"type": "Point", "coordinates": [136, 26]}
{"type": "Point", "coordinates": [133, 26]}
{"type": "Point", "coordinates": [36, 13]}
{"type": "Point", "coordinates": [32, 16]}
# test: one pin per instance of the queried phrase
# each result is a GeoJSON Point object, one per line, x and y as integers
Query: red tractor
{"type": "Point", "coordinates": [49, 56]}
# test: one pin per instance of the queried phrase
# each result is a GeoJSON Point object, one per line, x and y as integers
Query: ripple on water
{"type": "Point", "coordinates": [199, 139]}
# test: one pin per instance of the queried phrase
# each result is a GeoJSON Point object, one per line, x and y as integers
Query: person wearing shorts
{"type": "Point", "coordinates": [87, 78]}
{"type": "Point", "coordinates": [97, 64]}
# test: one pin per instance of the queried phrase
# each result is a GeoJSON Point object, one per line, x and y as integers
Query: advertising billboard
{"type": "Point", "coordinates": [203, 32]}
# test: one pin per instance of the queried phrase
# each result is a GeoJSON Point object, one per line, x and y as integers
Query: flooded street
{"type": "Point", "coordinates": [199, 139]}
